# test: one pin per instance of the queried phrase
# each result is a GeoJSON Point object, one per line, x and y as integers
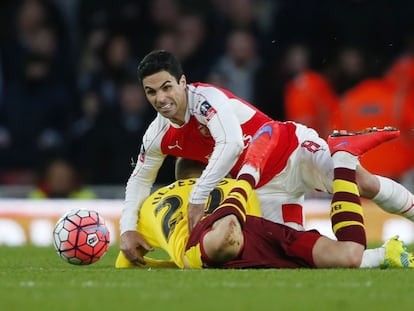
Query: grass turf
{"type": "Point", "coordinates": [37, 279]}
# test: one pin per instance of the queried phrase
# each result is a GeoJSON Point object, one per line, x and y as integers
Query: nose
{"type": "Point", "coordinates": [160, 97]}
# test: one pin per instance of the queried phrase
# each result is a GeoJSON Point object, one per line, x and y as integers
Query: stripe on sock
{"type": "Point", "coordinates": [352, 208]}
{"type": "Point", "coordinates": [346, 216]}
{"type": "Point", "coordinates": [345, 224]}
{"type": "Point", "coordinates": [345, 174]}
{"type": "Point", "coordinates": [346, 186]}
{"type": "Point", "coordinates": [248, 178]}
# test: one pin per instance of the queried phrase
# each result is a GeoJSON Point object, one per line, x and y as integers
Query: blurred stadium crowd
{"type": "Point", "coordinates": [68, 87]}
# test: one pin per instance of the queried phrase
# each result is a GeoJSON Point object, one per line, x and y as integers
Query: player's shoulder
{"type": "Point", "coordinates": [201, 87]}
{"type": "Point", "coordinates": [199, 92]}
{"type": "Point", "coordinates": [158, 126]}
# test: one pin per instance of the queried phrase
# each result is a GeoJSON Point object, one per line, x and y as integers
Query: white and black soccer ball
{"type": "Point", "coordinates": [81, 237]}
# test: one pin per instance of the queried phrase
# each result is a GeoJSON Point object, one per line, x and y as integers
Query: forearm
{"type": "Point", "coordinates": [135, 194]}
{"type": "Point", "coordinates": [138, 188]}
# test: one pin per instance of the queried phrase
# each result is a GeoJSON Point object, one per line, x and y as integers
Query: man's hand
{"type": "Point", "coordinates": [134, 247]}
{"type": "Point", "coordinates": [195, 212]}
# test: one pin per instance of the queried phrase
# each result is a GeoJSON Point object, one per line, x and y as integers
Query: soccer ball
{"type": "Point", "coordinates": [81, 237]}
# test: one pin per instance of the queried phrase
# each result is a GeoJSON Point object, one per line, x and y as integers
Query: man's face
{"type": "Point", "coordinates": [166, 95]}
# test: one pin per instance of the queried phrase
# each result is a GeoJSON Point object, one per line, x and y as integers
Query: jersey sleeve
{"type": "Point", "coordinates": [192, 257]}
{"type": "Point", "coordinates": [158, 263]}
{"type": "Point", "coordinates": [123, 262]}
{"type": "Point", "coordinates": [140, 182]}
{"type": "Point", "coordinates": [215, 110]}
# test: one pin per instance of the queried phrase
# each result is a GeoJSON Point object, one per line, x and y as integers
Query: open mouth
{"type": "Point", "coordinates": [165, 107]}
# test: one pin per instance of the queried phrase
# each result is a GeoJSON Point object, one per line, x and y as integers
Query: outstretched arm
{"type": "Point", "coordinates": [227, 133]}
{"type": "Point", "coordinates": [137, 190]}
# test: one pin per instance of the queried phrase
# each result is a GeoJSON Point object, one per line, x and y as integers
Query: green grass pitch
{"type": "Point", "coordinates": [37, 279]}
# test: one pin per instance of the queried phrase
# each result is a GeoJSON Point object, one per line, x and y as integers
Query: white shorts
{"type": "Point", "coordinates": [309, 169]}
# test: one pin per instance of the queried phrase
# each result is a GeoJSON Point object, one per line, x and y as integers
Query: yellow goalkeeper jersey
{"type": "Point", "coordinates": [163, 216]}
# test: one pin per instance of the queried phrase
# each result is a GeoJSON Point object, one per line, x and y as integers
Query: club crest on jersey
{"type": "Point", "coordinates": [204, 130]}
{"type": "Point", "coordinates": [141, 157]}
{"type": "Point", "coordinates": [207, 110]}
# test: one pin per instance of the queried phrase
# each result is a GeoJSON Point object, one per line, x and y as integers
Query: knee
{"type": "Point", "coordinates": [328, 253]}
{"type": "Point", "coordinates": [368, 184]}
{"type": "Point", "coordinates": [224, 241]}
{"type": "Point", "coordinates": [353, 258]}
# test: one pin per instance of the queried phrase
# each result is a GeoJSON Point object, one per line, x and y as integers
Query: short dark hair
{"type": "Point", "coordinates": [186, 168]}
{"type": "Point", "coordinates": [159, 60]}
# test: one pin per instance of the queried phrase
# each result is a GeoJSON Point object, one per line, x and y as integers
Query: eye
{"type": "Point", "coordinates": [166, 87]}
{"type": "Point", "coordinates": [150, 92]}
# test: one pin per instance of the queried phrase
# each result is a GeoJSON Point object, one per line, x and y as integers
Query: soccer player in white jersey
{"type": "Point", "coordinates": [202, 122]}
{"type": "Point", "coordinates": [233, 235]}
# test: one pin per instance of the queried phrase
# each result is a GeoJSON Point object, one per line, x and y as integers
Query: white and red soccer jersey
{"type": "Point", "coordinates": [218, 128]}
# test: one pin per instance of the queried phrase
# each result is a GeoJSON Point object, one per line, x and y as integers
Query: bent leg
{"type": "Point", "coordinates": [328, 253]}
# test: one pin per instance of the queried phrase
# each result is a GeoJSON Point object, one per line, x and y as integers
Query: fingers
{"type": "Point", "coordinates": [192, 222]}
{"type": "Point", "coordinates": [146, 247]}
{"type": "Point", "coordinates": [195, 212]}
{"type": "Point", "coordinates": [134, 247]}
{"type": "Point", "coordinates": [134, 256]}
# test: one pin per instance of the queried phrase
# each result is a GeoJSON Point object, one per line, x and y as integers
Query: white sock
{"type": "Point", "coordinates": [395, 198]}
{"type": "Point", "coordinates": [345, 159]}
{"type": "Point", "coordinates": [372, 258]}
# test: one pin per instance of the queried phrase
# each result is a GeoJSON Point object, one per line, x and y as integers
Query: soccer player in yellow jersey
{"type": "Point", "coordinates": [233, 236]}
{"type": "Point", "coordinates": [162, 219]}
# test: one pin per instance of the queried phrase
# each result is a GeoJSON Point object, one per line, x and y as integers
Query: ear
{"type": "Point", "coordinates": [183, 81]}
